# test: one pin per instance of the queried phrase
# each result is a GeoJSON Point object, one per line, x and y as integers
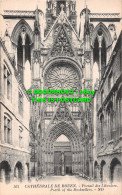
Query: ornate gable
{"type": "Point", "coordinates": [61, 26]}
{"type": "Point", "coordinates": [62, 113]}
{"type": "Point", "coordinates": [62, 45]}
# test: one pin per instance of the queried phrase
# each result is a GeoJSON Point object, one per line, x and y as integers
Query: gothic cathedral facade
{"type": "Point", "coordinates": [49, 52]}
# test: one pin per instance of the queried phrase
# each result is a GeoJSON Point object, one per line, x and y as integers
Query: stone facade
{"type": "Point", "coordinates": [61, 57]}
{"type": "Point", "coordinates": [14, 121]}
{"type": "Point", "coordinates": [108, 126]}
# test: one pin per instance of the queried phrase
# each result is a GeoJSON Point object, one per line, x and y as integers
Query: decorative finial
{"type": "Point", "coordinates": [62, 7]}
{"type": "Point", "coordinates": [6, 32]}
{"type": "Point", "coordinates": [85, 2]}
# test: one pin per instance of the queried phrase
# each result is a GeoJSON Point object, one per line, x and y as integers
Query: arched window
{"type": "Point", "coordinates": [7, 129]}
{"type": "Point", "coordinates": [7, 82]}
{"type": "Point", "coordinates": [110, 114]}
{"type": "Point", "coordinates": [96, 51]}
{"type": "Point", "coordinates": [22, 37]}
{"type": "Point", "coordinates": [23, 52]}
{"type": "Point", "coordinates": [102, 127]}
{"type": "Point", "coordinates": [20, 103]}
{"type": "Point", "coordinates": [103, 56]}
{"type": "Point", "coordinates": [101, 40]}
{"type": "Point", "coordinates": [99, 52]}
{"type": "Point", "coordinates": [96, 166]}
{"type": "Point", "coordinates": [119, 113]}
{"type": "Point", "coordinates": [27, 49]}
{"type": "Point", "coordinates": [20, 56]}
{"type": "Point", "coordinates": [20, 137]}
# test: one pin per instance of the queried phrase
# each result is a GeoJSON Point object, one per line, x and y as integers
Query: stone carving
{"type": "Point", "coordinates": [36, 56]}
{"type": "Point", "coordinates": [62, 114]}
{"type": "Point", "coordinates": [112, 30]}
{"type": "Point", "coordinates": [91, 28]}
{"type": "Point", "coordinates": [111, 27]}
{"type": "Point", "coordinates": [62, 77]}
{"type": "Point", "coordinates": [62, 46]}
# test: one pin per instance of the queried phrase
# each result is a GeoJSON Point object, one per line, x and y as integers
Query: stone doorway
{"type": "Point", "coordinates": [62, 163]}
{"type": "Point", "coordinates": [62, 156]}
{"type": "Point", "coordinates": [68, 170]}
{"type": "Point", "coordinates": [63, 151]}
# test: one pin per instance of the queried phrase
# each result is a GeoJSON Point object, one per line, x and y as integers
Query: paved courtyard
{"type": "Point", "coordinates": [63, 179]}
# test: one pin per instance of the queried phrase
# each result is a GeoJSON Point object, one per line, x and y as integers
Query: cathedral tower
{"type": "Point", "coordinates": [54, 8]}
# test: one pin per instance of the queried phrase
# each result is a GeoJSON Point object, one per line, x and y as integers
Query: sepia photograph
{"type": "Point", "coordinates": [60, 97]}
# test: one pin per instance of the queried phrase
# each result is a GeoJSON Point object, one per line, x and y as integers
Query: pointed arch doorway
{"type": "Point", "coordinates": [62, 156]}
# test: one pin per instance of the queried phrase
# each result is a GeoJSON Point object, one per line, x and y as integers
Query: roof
{"type": "Point", "coordinates": [20, 14]}
{"type": "Point", "coordinates": [104, 17]}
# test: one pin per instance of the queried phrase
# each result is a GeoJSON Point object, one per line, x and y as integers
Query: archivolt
{"type": "Point", "coordinates": [62, 60]}
{"type": "Point", "coordinates": [67, 130]}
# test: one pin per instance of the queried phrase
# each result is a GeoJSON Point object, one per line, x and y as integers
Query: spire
{"type": "Point", "coordinates": [37, 14]}
{"type": "Point", "coordinates": [85, 5]}
{"type": "Point", "coordinates": [36, 30]}
{"type": "Point", "coordinates": [36, 23]}
{"type": "Point", "coordinates": [62, 7]}
{"type": "Point", "coordinates": [87, 16]}
{"type": "Point", "coordinates": [86, 26]}
{"type": "Point", "coordinates": [6, 32]}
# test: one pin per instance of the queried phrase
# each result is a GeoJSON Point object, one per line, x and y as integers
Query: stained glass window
{"type": "Point", "coordinates": [62, 77]}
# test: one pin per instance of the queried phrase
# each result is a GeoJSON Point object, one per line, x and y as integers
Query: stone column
{"type": "Point", "coordinates": [100, 38]}
{"type": "Point", "coordinates": [84, 159]}
{"type": "Point", "coordinates": [62, 159]}
{"type": "Point", "coordinates": [52, 163]}
{"type": "Point", "coordinates": [23, 36]}
{"type": "Point", "coordinates": [81, 161]}
{"type": "Point", "coordinates": [76, 163]}
{"type": "Point", "coordinates": [23, 56]}
{"type": "Point", "coordinates": [12, 174]}
{"type": "Point", "coordinates": [114, 135]}
{"type": "Point", "coordinates": [47, 163]}
{"type": "Point", "coordinates": [72, 162]}
{"type": "Point", "coordinates": [43, 163]}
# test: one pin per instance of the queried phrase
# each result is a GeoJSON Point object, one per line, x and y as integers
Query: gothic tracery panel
{"type": "Point", "coordinates": [62, 46]}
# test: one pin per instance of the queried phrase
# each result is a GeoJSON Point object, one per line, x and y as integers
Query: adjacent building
{"type": "Point", "coordinates": [108, 100]}
{"type": "Point", "coordinates": [14, 121]}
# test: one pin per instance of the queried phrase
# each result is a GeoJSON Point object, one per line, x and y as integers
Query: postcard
{"type": "Point", "coordinates": [60, 97]}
